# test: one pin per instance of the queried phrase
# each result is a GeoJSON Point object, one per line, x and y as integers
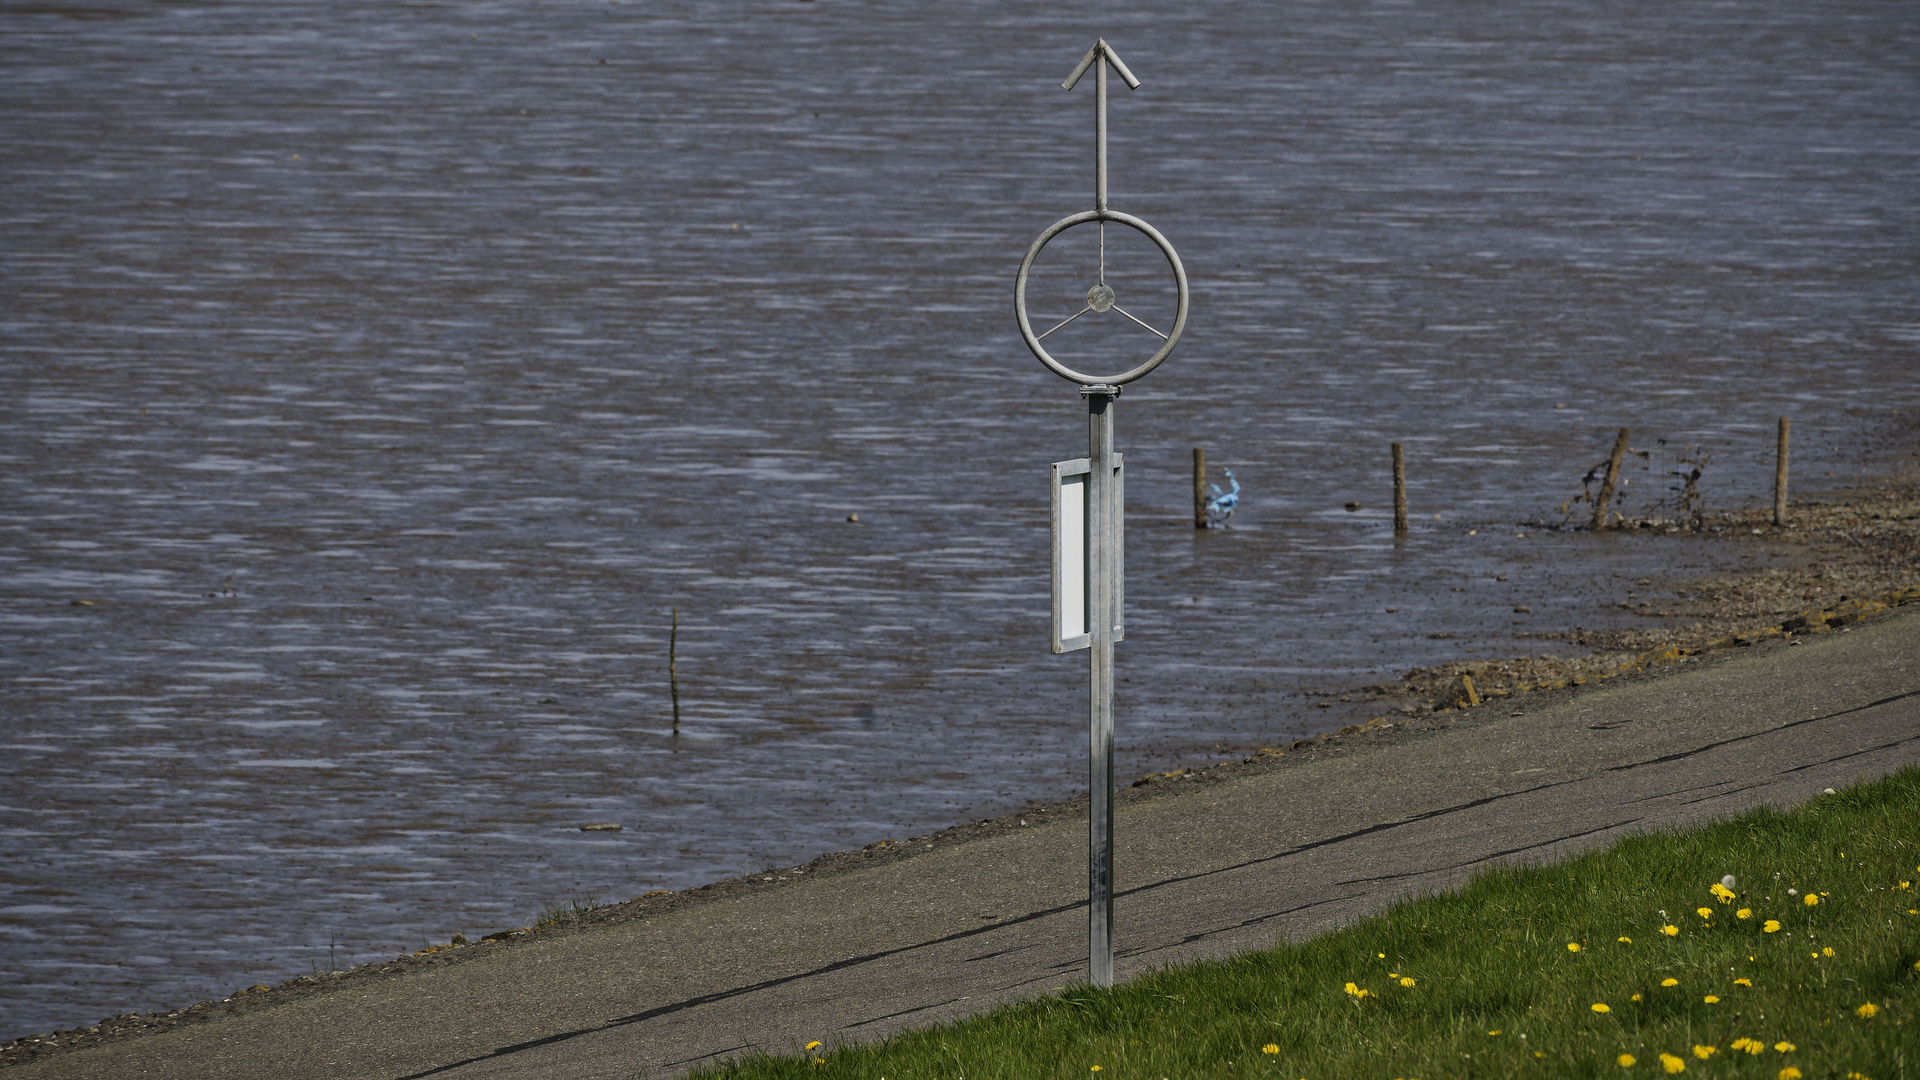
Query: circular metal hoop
{"type": "Point", "coordinates": [1020, 297]}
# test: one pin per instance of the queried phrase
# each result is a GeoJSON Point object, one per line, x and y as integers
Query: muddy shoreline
{"type": "Point", "coordinates": [1862, 559]}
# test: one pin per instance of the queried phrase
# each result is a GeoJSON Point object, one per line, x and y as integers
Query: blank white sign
{"type": "Point", "coordinates": [1072, 545]}
{"type": "Point", "coordinates": [1071, 597]}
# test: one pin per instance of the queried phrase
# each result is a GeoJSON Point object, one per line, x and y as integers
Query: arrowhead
{"type": "Point", "coordinates": [1101, 51]}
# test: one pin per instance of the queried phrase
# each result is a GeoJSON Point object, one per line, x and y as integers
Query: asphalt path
{"type": "Point", "coordinates": [1205, 868]}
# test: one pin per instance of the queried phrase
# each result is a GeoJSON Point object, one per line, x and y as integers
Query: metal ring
{"type": "Point", "coordinates": [1020, 297]}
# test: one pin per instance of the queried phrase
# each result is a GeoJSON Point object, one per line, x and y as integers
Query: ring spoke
{"type": "Point", "coordinates": [1079, 313]}
{"type": "Point", "coordinates": [1129, 315]}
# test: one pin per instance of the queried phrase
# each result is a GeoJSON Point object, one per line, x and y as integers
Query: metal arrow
{"type": "Point", "coordinates": [1103, 54]}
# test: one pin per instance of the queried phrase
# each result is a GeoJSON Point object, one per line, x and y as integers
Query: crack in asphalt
{"type": "Point", "coordinates": [1762, 734]}
{"type": "Point", "coordinates": [902, 1012]}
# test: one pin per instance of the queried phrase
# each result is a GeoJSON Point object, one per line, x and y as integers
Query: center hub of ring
{"type": "Point", "coordinates": [1100, 297]}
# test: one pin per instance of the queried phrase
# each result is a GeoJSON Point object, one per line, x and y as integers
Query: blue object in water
{"type": "Point", "coordinates": [1221, 506]}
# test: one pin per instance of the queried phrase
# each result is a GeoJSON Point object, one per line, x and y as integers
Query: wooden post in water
{"type": "Point", "coordinates": [1399, 492]}
{"type": "Point", "coordinates": [1613, 477]}
{"type": "Point", "coordinates": [1780, 475]}
{"type": "Point", "coordinates": [1199, 487]}
{"type": "Point", "coordinates": [673, 669]}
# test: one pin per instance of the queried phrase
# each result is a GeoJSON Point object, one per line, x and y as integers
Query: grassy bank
{"type": "Point", "coordinates": [1634, 961]}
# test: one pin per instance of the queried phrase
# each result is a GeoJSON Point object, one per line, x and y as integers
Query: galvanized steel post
{"type": "Point", "coordinates": [1104, 517]}
{"type": "Point", "coordinates": [1101, 559]}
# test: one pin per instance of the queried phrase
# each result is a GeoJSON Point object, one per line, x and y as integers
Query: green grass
{"type": "Point", "coordinates": [1496, 991]}
{"type": "Point", "coordinates": [570, 908]}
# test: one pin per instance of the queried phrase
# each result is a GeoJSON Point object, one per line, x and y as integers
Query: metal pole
{"type": "Point", "coordinates": [1101, 551]}
{"type": "Point", "coordinates": [1100, 135]}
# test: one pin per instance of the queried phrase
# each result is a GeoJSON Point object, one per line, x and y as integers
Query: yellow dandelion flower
{"type": "Point", "coordinates": [1827, 951]}
{"type": "Point", "coordinates": [1771, 926]}
{"type": "Point", "coordinates": [1720, 892]}
{"type": "Point", "coordinates": [1670, 930]}
{"type": "Point", "coordinates": [1906, 885]}
{"type": "Point", "coordinates": [1636, 997]}
{"type": "Point", "coordinates": [1626, 940]}
{"type": "Point", "coordinates": [1495, 1031]}
{"type": "Point", "coordinates": [1573, 946]}
{"type": "Point", "coordinates": [1625, 1060]}
{"type": "Point", "coordinates": [1866, 1012]}
{"type": "Point", "coordinates": [1352, 989]}
{"type": "Point", "coordinates": [1600, 1007]}
{"type": "Point", "coordinates": [1785, 1047]}
{"type": "Point", "coordinates": [1705, 912]}
{"type": "Point", "coordinates": [1270, 1048]}
{"type": "Point", "coordinates": [1810, 899]}
{"type": "Point", "coordinates": [1712, 999]}
{"type": "Point", "coordinates": [814, 1045]}
{"type": "Point", "coordinates": [1741, 1043]}
{"type": "Point", "coordinates": [1669, 981]}
{"type": "Point", "coordinates": [1672, 1064]}
{"type": "Point", "coordinates": [1789, 1073]}
{"type": "Point", "coordinates": [1755, 1046]}
{"type": "Point", "coordinates": [1858, 1076]}
{"type": "Point", "coordinates": [1096, 1068]}
{"type": "Point", "coordinates": [1406, 980]}
{"type": "Point", "coordinates": [819, 1061]}
{"type": "Point", "coordinates": [1744, 913]}
{"type": "Point", "coordinates": [1704, 1052]}
{"type": "Point", "coordinates": [1382, 956]}
{"type": "Point", "coordinates": [1743, 982]}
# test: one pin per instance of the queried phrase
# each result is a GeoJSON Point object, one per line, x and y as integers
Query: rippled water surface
{"type": "Point", "coordinates": [378, 378]}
